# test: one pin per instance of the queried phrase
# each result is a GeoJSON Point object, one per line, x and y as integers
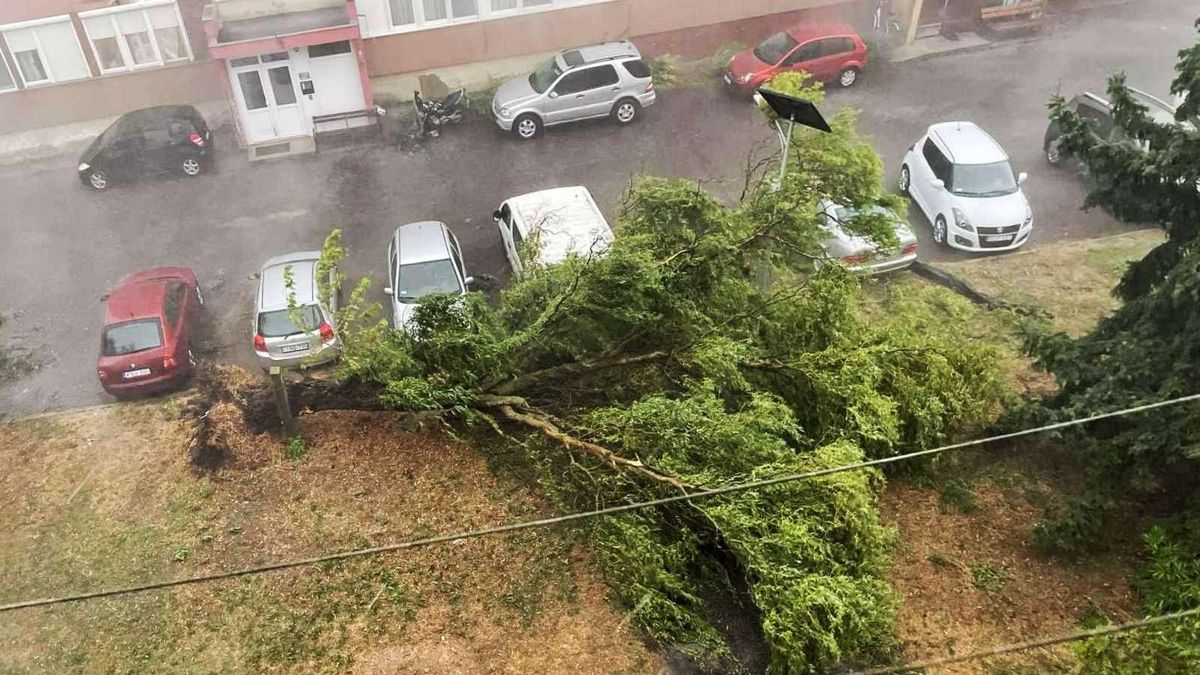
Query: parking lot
{"type": "Point", "coordinates": [65, 246]}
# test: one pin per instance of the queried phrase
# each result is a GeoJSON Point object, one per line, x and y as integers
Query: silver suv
{"type": "Point", "coordinates": [292, 327]}
{"type": "Point", "coordinates": [605, 80]}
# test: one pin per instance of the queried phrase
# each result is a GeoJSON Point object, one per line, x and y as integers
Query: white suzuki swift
{"type": "Point", "coordinates": [961, 179]}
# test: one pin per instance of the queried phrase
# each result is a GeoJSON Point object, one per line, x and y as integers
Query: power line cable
{"type": "Point", "coordinates": [583, 515]}
{"type": "Point", "coordinates": [1032, 644]}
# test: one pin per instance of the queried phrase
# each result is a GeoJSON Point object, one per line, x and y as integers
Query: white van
{"type": "Point", "coordinates": [563, 221]}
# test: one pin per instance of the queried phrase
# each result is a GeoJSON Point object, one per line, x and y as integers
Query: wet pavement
{"type": "Point", "coordinates": [65, 246]}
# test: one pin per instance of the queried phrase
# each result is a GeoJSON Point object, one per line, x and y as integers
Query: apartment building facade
{"type": "Point", "coordinates": [270, 67]}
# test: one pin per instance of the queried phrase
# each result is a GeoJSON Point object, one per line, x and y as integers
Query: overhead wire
{"type": "Point", "coordinates": [583, 515]}
{"type": "Point", "coordinates": [1032, 644]}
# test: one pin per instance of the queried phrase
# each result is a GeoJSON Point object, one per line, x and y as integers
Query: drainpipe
{"type": "Point", "coordinates": [916, 20]}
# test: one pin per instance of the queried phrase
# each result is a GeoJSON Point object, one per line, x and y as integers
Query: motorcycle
{"type": "Point", "coordinates": [433, 115]}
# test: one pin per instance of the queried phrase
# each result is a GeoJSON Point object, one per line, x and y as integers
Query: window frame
{"type": "Point", "coordinates": [16, 84]}
{"type": "Point", "coordinates": [143, 8]}
{"type": "Point", "coordinates": [484, 12]}
{"type": "Point", "coordinates": [32, 27]}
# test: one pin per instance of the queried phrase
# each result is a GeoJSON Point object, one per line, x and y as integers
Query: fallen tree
{"type": "Point", "coordinates": [702, 349]}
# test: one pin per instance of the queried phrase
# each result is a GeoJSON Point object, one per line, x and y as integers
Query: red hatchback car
{"type": "Point", "coordinates": [148, 323]}
{"type": "Point", "coordinates": [831, 52]}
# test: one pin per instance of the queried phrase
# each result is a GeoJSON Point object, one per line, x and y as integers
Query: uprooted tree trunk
{"type": "Point", "coordinates": [257, 403]}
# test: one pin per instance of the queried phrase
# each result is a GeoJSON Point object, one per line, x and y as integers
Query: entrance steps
{"type": "Point", "coordinates": [283, 147]}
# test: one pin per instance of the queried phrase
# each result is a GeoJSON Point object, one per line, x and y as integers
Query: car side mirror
{"type": "Point", "coordinates": [387, 291]}
{"type": "Point", "coordinates": [1021, 177]}
{"type": "Point", "coordinates": [496, 216]}
{"type": "Point", "coordinates": [469, 281]}
{"type": "Point", "coordinates": [554, 94]}
{"type": "Point", "coordinates": [938, 183]}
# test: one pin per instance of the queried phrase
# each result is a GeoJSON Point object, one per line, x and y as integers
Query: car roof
{"type": "Point", "coordinates": [808, 31]}
{"type": "Point", "coordinates": [1160, 110]}
{"type": "Point", "coordinates": [967, 143]}
{"type": "Point", "coordinates": [273, 292]}
{"type": "Point", "coordinates": [139, 295]}
{"type": "Point", "coordinates": [605, 51]}
{"type": "Point", "coordinates": [421, 242]}
{"type": "Point", "coordinates": [567, 221]}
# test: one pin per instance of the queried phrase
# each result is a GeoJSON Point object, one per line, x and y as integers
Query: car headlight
{"type": "Point", "coordinates": [84, 166]}
{"type": "Point", "coordinates": [504, 112]}
{"type": "Point", "coordinates": [746, 78]}
{"type": "Point", "coordinates": [960, 219]}
{"type": "Point", "coordinates": [1028, 217]}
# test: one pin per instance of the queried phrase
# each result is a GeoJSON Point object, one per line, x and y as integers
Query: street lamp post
{"type": "Point", "coordinates": [793, 110]}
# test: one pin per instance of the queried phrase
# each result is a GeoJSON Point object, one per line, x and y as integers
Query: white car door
{"type": "Point", "coordinates": [935, 184]}
{"type": "Point", "coordinates": [504, 221]}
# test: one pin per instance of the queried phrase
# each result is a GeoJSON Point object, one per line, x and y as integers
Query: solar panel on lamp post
{"type": "Point", "coordinates": [795, 111]}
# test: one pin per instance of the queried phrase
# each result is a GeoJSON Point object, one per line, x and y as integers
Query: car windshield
{"type": "Point", "coordinates": [773, 49]}
{"type": "Point", "coordinates": [426, 278]}
{"type": "Point", "coordinates": [281, 322]}
{"type": "Point", "coordinates": [545, 75]}
{"type": "Point", "coordinates": [983, 180]}
{"type": "Point", "coordinates": [133, 336]}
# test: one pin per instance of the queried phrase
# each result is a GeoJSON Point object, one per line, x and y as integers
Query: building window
{"type": "Point", "coordinates": [329, 49]}
{"type": "Point", "coordinates": [140, 36]}
{"type": "Point", "coordinates": [46, 51]}
{"type": "Point", "coordinates": [410, 14]}
{"type": "Point", "coordinates": [7, 83]}
{"type": "Point", "coordinates": [511, 5]}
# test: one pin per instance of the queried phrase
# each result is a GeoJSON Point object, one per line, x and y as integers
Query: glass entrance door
{"type": "Point", "coordinates": [267, 99]}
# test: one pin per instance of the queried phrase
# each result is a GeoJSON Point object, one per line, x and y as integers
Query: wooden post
{"type": "Point", "coordinates": [281, 402]}
{"type": "Point", "coordinates": [914, 22]}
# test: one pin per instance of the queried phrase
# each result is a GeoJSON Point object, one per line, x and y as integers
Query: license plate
{"type": "Point", "coordinates": [288, 349]}
{"type": "Point", "coordinates": [1007, 237]}
{"type": "Point", "coordinates": [140, 372]}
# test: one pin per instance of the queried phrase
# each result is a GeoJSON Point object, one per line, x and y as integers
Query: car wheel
{"type": "Point", "coordinates": [626, 111]}
{"type": "Point", "coordinates": [1054, 153]}
{"type": "Point", "coordinates": [939, 230]}
{"type": "Point", "coordinates": [848, 77]}
{"type": "Point", "coordinates": [98, 179]}
{"type": "Point", "coordinates": [191, 166]}
{"type": "Point", "coordinates": [527, 127]}
{"type": "Point", "coordinates": [905, 179]}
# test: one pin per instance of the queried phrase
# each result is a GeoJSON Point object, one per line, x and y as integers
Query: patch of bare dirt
{"type": "Point", "coordinates": [947, 558]}
{"type": "Point", "coordinates": [522, 602]}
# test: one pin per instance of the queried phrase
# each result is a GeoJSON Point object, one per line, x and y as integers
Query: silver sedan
{"type": "Point", "coordinates": [859, 254]}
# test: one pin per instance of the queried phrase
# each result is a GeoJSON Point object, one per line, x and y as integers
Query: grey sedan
{"type": "Point", "coordinates": [859, 254]}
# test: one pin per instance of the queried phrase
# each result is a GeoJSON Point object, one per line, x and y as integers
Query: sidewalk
{"type": "Point", "coordinates": [937, 45]}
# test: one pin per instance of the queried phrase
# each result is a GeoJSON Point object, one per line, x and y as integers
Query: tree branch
{"type": "Point", "coordinates": [574, 368]}
{"type": "Point", "coordinates": [599, 452]}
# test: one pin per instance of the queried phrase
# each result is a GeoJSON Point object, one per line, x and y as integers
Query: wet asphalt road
{"type": "Point", "coordinates": [64, 246]}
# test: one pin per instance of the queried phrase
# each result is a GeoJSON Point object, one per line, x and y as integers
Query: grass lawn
{"type": "Point", "coordinates": [1070, 280]}
{"type": "Point", "coordinates": [965, 566]}
{"type": "Point", "coordinates": [108, 497]}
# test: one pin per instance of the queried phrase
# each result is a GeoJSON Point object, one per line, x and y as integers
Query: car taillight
{"type": "Point", "coordinates": [856, 259]}
{"type": "Point", "coordinates": [260, 343]}
{"type": "Point", "coordinates": [650, 88]}
{"type": "Point", "coordinates": [326, 331]}
{"type": "Point", "coordinates": [101, 374]}
{"type": "Point", "coordinates": [910, 249]}
{"type": "Point", "coordinates": [168, 362]}
{"type": "Point", "coordinates": [197, 139]}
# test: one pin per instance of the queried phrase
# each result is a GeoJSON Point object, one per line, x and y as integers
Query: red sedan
{"type": "Point", "coordinates": [831, 52]}
{"type": "Point", "coordinates": [148, 323]}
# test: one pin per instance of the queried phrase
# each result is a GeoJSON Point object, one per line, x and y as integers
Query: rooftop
{"type": "Point", "coordinates": [274, 292]}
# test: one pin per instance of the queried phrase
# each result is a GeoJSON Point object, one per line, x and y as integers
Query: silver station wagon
{"type": "Point", "coordinates": [292, 327]}
{"type": "Point", "coordinates": [605, 80]}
